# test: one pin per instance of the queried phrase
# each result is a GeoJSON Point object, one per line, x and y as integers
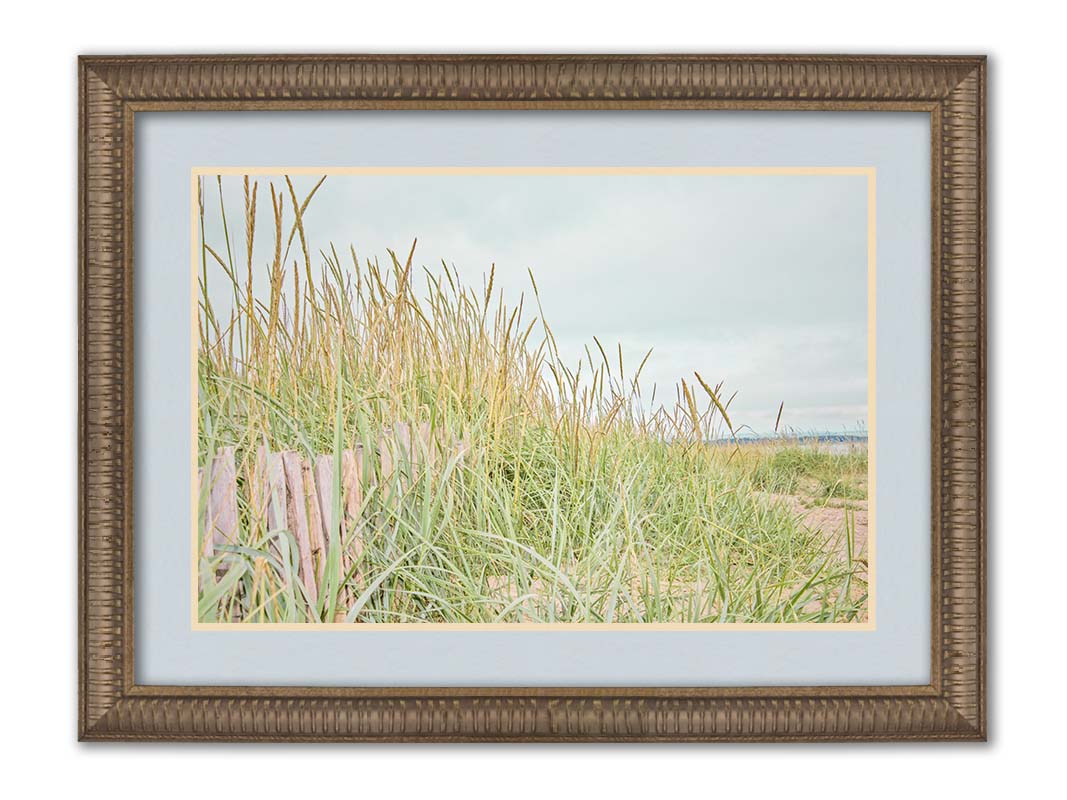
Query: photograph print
{"type": "Point", "coordinates": [531, 397]}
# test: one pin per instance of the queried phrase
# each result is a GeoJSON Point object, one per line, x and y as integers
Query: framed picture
{"type": "Point", "coordinates": [535, 398]}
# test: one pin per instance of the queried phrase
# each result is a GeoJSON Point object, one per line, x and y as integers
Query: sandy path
{"type": "Point", "coordinates": [830, 519]}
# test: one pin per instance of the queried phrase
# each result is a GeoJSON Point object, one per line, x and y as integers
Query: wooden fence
{"type": "Point", "coordinates": [289, 490]}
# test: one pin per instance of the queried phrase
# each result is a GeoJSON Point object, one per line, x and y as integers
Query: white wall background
{"type": "Point", "coordinates": [37, 716]}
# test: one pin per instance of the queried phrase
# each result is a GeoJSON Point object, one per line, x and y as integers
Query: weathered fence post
{"type": "Point", "coordinates": [221, 512]}
{"type": "Point", "coordinates": [351, 500]}
{"type": "Point", "coordinates": [269, 497]}
{"type": "Point", "coordinates": [315, 522]}
{"type": "Point", "coordinates": [297, 515]}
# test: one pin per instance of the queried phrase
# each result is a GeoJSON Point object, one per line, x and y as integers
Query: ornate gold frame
{"type": "Point", "coordinates": [111, 703]}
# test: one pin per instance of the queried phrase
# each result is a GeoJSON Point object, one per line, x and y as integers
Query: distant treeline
{"type": "Point", "coordinates": [810, 437]}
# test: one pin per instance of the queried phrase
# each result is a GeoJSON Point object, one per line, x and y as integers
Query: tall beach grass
{"type": "Point", "coordinates": [546, 491]}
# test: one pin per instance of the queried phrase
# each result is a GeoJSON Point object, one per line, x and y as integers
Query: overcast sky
{"type": "Point", "coordinates": [758, 281]}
